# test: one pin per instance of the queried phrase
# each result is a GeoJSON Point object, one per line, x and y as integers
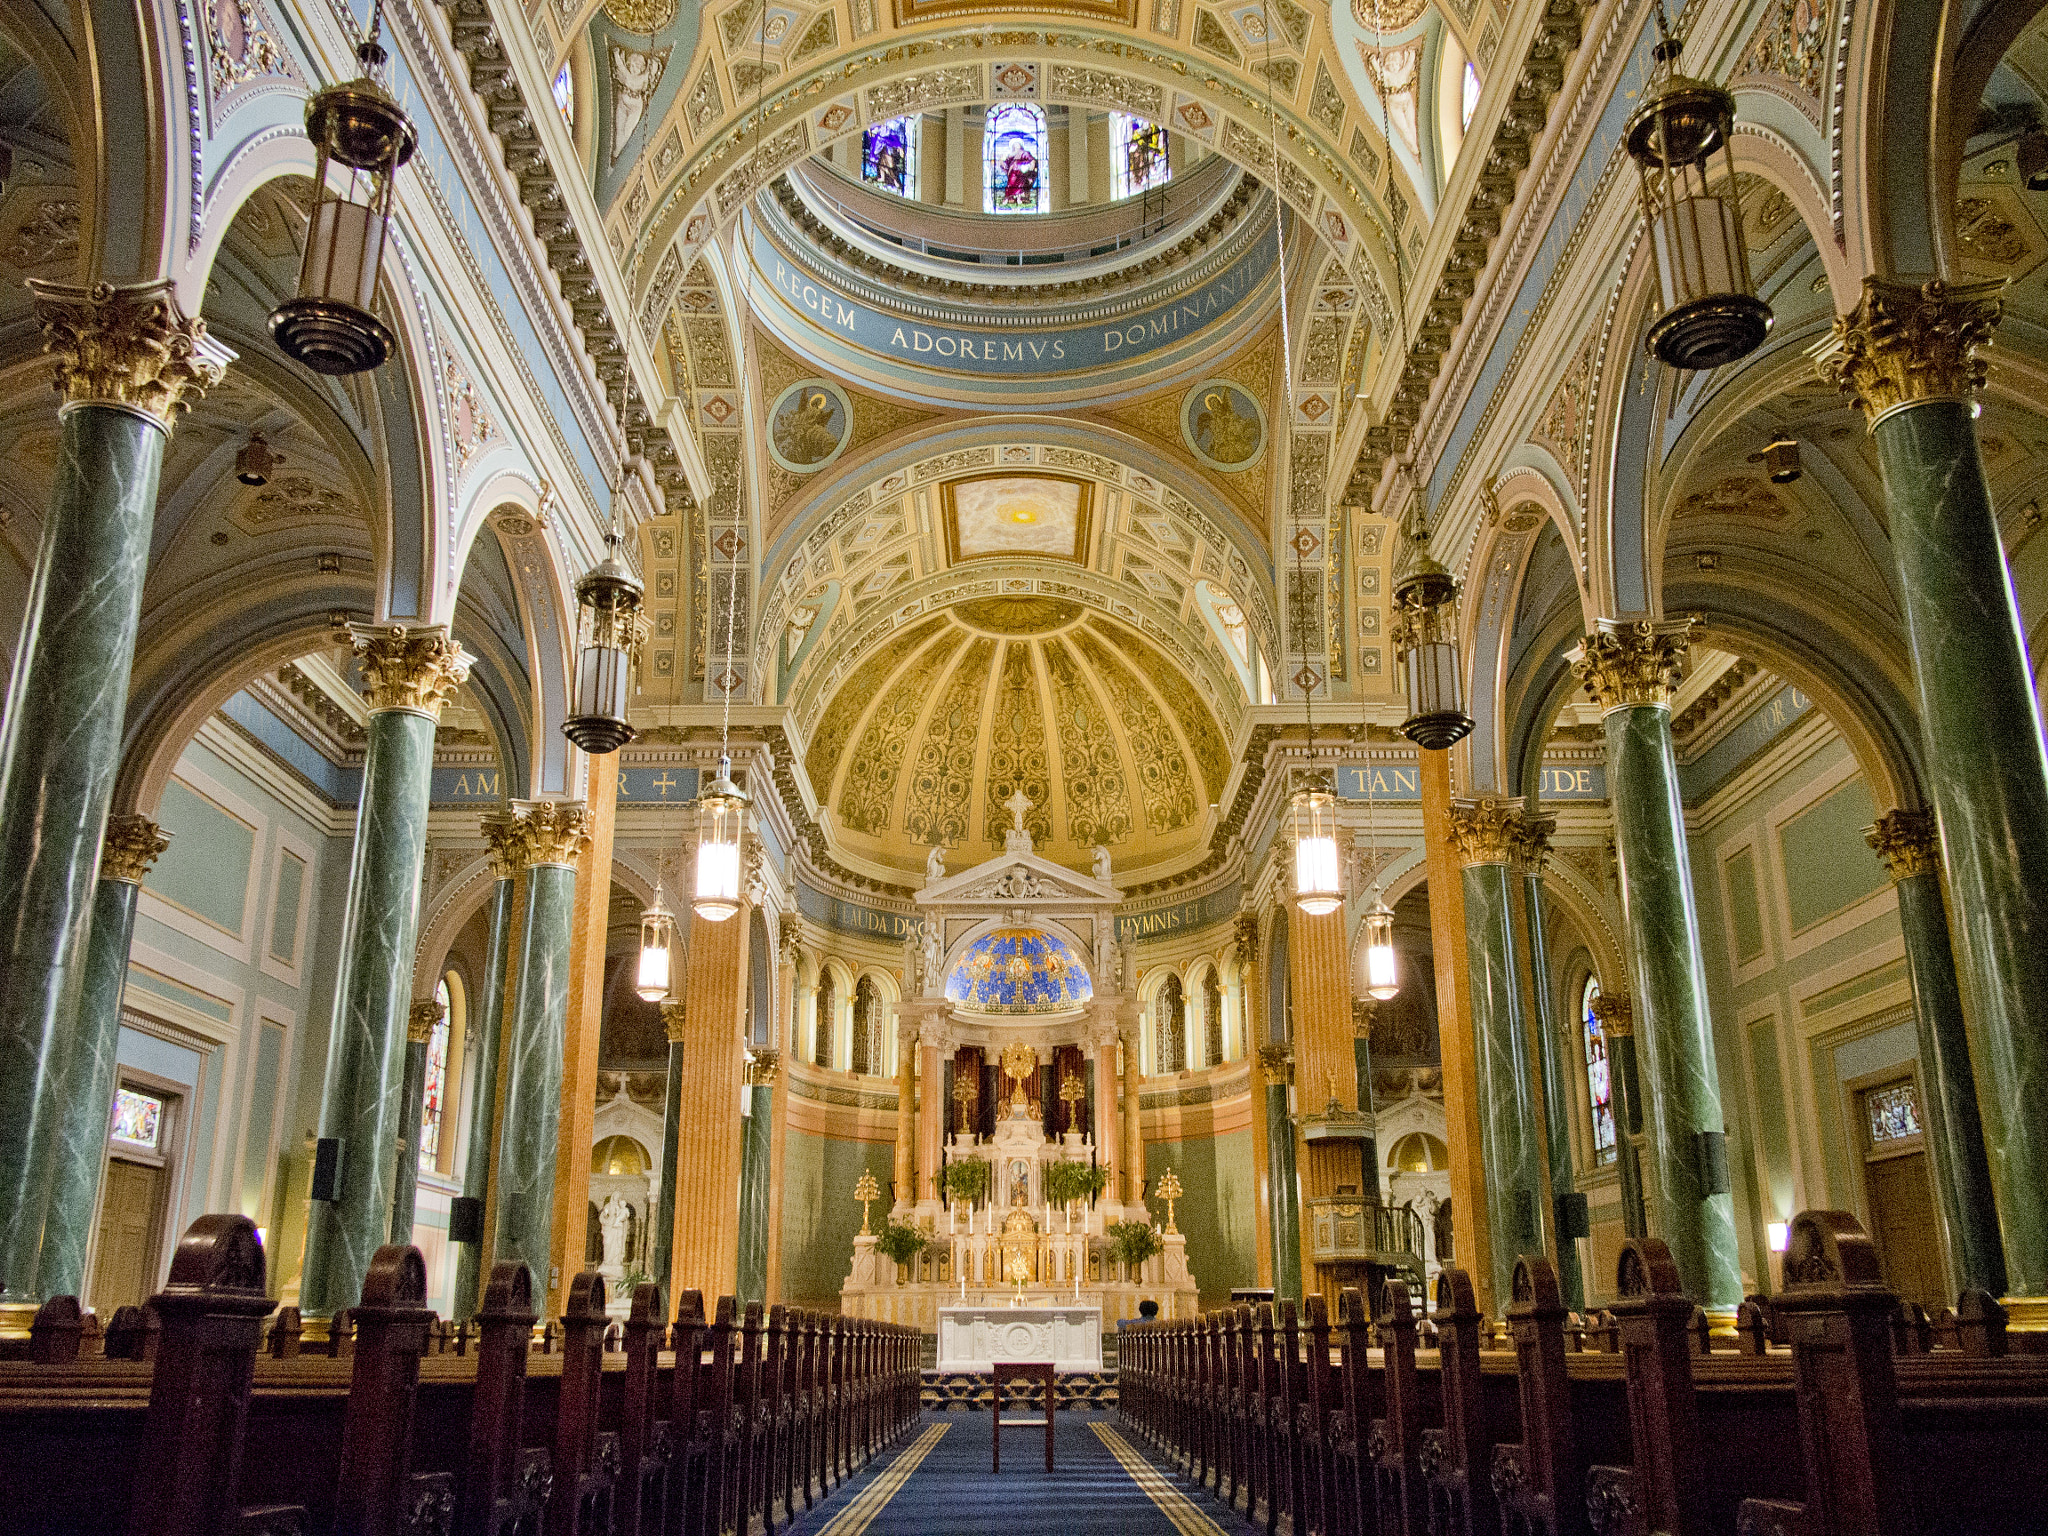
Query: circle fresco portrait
{"type": "Point", "coordinates": [809, 426]}
{"type": "Point", "coordinates": [1224, 425]}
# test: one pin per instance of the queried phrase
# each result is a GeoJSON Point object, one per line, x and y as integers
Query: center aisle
{"type": "Point", "coordinates": [939, 1484]}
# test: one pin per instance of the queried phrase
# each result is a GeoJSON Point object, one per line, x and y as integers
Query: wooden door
{"type": "Point", "coordinates": [124, 1273]}
{"type": "Point", "coordinates": [1900, 1194]}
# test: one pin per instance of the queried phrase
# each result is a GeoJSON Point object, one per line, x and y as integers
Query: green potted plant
{"type": "Point", "coordinates": [1131, 1243]}
{"type": "Point", "coordinates": [901, 1242]}
{"type": "Point", "coordinates": [1067, 1181]}
{"type": "Point", "coordinates": [967, 1180]}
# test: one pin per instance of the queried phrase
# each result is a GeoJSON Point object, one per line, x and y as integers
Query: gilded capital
{"type": "Point", "coordinates": [1532, 841]}
{"type": "Point", "coordinates": [1485, 831]}
{"type": "Point", "coordinates": [674, 1021]}
{"type": "Point", "coordinates": [1246, 933]}
{"type": "Point", "coordinates": [1906, 841]}
{"type": "Point", "coordinates": [130, 846]}
{"type": "Point", "coordinates": [1907, 342]}
{"type": "Point", "coordinates": [1628, 662]}
{"type": "Point", "coordinates": [555, 831]}
{"type": "Point", "coordinates": [127, 345]}
{"type": "Point", "coordinates": [762, 1066]}
{"type": "Point", "coordinates": [1616, 1014]}
{"type": "Point", "coordinates": [420, 1021]}
{"type": "Point", "coordinates": [505, 842]}
{"type": "Point", "coordinates": [413, 669]}
{"type": "Point", "coordinates": [1278, 1061]}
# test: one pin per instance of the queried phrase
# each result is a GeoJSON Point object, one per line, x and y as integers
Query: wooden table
{"type": "Point", "coordinates": [1034, 1370]}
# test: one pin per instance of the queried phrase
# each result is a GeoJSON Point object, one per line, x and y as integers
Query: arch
{"type": "Point", "coordinates": [1620, 579]}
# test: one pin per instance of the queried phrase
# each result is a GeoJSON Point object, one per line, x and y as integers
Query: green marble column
{"type": "Point", "coordinates": [507, 857]}
{"type": "Point", "coordinates": [754, 1137]}
{"type": "Point", "coordinates": [1552, 1060]}
{"type": "Point", "coordinates": [1280, 1162]}
{"type": "Point", "coordinates": [86, 1098]}
{"type": "Point", "coordinates": [1905, 841]}
{"type": "Point", "coordinates": [534, 1040]}
{"type": "Point", "coordinates": [1617, 1027]}
{"type": "Point", "coordinates": [661, 1250]}
{"type": "Point", "coordinates": [409, 673]}
{"type": "Point", "coordinates": [1908, 356]}
{"type": "Point", "coordinates": [126, 360]}
{"type": "Point", "coordinates": [1510, 1145]}
{"type": "Point", "coordinates": [419, 1033]}
{"type": "Point", "coordinates": [1630, 668]}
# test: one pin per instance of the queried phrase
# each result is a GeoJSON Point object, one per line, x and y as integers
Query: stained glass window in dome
{"type": "Point", "coordinates": [565, 95]}
{"type": "Point", "coordinates": [888, 156]}
{"type": "Point", "coordinates": [436, 1097]}
{"type": "Point", "coordinates": [1599, 1076]}
{"type": "Point", "coordinates": [1138, 157]}
{"type": "Point", "coordinates": [1019, 970]}
{"type": "Point", "coordinates": [1013, 158]}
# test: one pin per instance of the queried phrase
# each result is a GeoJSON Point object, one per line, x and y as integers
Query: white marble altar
{"type": "Point", "coordinates": [974, 1338]}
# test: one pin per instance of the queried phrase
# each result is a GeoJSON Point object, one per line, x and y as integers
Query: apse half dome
{"type": "Point", "coordinates": [1019, 971]}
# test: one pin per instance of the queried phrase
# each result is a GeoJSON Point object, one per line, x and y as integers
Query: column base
{"type": "Point", "coordinates": [1720, 1321]}
{"type": "Point", "coordinates": [16, 1318]}
{"type": "Point", "coordinates": [2025, 1314]}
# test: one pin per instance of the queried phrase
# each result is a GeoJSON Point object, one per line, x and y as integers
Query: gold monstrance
{"type": "Point", "coordinates": [1019, 1062]}
{"type": "Point", "coordinates": [1071, 1094]}
{"type": "Point", "coordinates": [1169, 1190]}
{"type": "Point", "coordinates": [965, 1092]}
{"type": "Point", "coordinates": [865, 1191]}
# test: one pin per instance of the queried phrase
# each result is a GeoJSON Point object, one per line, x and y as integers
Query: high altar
{"type": "Point", "coordinates": [1016, 963]}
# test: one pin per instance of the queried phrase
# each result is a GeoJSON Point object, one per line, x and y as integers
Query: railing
{"type": "Point", "coordinates": [194, 1419]}
{"type": "Point", "coordinates": [1835, 1410]}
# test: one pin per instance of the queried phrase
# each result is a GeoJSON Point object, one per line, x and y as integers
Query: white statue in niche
{"type": "Point", "coordinates": [612, 1218]}
{"type": "Point", "coordinates": [933, 957]}
{"type": "Point", "coordinates": [935, 865]}
{"type": "Point", "coordinates": [1102, 863]}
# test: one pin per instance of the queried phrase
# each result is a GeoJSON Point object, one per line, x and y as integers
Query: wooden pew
{"type": "Point", "coordinates": [376, 1492]}
{"type": "Point", "coordinates": [644, 1438]}
{"type": "Point", "coordinates": [500, 1489]}
{"type": "Point", "coordinates": [1536, 1479]}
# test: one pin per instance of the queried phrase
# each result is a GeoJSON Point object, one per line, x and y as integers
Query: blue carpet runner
{"type": "Point", "coordinates": [938, 1483]}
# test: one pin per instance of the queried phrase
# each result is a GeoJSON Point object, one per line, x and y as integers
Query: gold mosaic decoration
{"type": "Point", "coordinates": [942, 777]}
{"type": "Point", "coordinates": [1016, 756]}
{"type": "Point", "coordinates": [870, 791]}
{"type": "Point", "coordinates": [836, 725]}
{"type": "Point", "coordinates": [1098, 805]}
{"type": "Point", "coordinates": [1163, 778]}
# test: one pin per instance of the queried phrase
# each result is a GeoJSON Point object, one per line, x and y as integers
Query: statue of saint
{"type": "Point", "coordinates": [1102, 863]}
{"type": "Point", "coordinates": [612, 1219]}
{"type": "Point", "coordinates": [928, 937]}
{"type": "Point", "coordinates": [935, 865]}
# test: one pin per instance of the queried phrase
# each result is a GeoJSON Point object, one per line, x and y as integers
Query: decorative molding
{"type": "Point", "coordinates": [128, 346]}
{"type": "Point", "coordinates": [556, 831]}
{"type": "Point", "coordinates": [1907, 342]}
{"type": "Point", "coordinates": [412, 669]}
{"type": "Point", "coordinates": [130, 846]}
{"type": "Point", "coordinates": [1486, 831]}
{"type": "Point", "coordinates": [1625, 663]}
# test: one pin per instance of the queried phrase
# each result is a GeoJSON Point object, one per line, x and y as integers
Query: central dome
{"type": "Point", "coordinates": [1019, 971]}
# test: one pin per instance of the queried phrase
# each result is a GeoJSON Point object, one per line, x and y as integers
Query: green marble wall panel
{"type": "Point", "coordinates": [533, 1073]}
{"type": "Point", "coordinates": [1286, 1189]}
{"type": "Point", "coordinates": [754, 1149]}
{"type": "Point", "coordinates": [477, 1155]}
{"type": "Point", "coordinates": [1216, 1209]}
{"type": "Point", "coordinates": [820, 1217]}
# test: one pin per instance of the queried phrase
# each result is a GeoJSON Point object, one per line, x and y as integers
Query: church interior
{"type": "Point", "coordinates": [1320, 715]}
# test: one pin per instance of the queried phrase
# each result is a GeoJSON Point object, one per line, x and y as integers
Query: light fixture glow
{"type": "Point", "coordinates": [613, 627]}
{"type": "Point", "coordinates": [1780, 1234]}
{"type": "Point", "coordinates": [1382, 976]}
{"type": "Point", "coordinates": [657, 938]}
{"type": "Point", "coordinates": [1318, 873]}
{"type": "Point", "coordinates": [720, 810]}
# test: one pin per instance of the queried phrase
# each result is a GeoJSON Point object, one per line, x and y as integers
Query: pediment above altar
{"type": "Point", "coordinates": [1019, 880]}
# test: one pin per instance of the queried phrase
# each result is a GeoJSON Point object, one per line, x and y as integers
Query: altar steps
{"type": "Point", "coordinates": [972, 1392]}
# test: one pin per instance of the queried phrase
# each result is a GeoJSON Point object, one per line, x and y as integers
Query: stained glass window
{"type": "Point", "coordinates": [1173, 1027]}
{"type": "Point", "coordinates": [565, 95]}
{"type": "Point", "coordinates": [867, 1027]}
{"type": "Point", "coordinates": [138, 1119]}
{"type": "Point", "coordinates": [821, 1053]}
{"type": "Point", "coordinates": [1013, 158]}
{"type": "Point", "coordinates": [436, 1097]}
{"type": "Point", "coordinates": [1894, 1113]}
{"type": "Point", "coordinates": [888, 156]}
{"type": "Point", "coordinates": [1471, 102]}
{"type": "Point", "coordinates": [1599, 1076]}
{"type": "Point", "coordinates": [1139, 154]}
{"type": "Point", "coordinates": [1212, 1016]}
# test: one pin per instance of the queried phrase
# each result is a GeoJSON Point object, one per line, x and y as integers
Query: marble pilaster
{"type": "Point", "coordinates": [410, 673]}
{"type": "Point", "coordinates": [86, 1099]}
{"type": "Point", "coordinates": [1630, 668]}
{"type": "Point", "coordinates": [754, 1158]}
{"type": "Point", "coordinates": [1909, 355]}
{"type": "Point", "coordinates": [536, 1017]}
{"type": "Point", "coordinates": [1511, 1147]}
{"type": "Point", "coordinates": [508, 856]}
{"type": "Point", "coordinates": [1556, 1058]}
{"type": "Point", "coordinates": [905, 1165]}
{"type": "Point", "coordinates": [420, 1020]}
{"type": "Point", "coordinates": [1278, 1064]}
{"type": "Point", "coordinates": [127, 361]}
{"type": "Point", "coordinates": [925, 1020]}
{"type": "Point", "coordinates": [661, 1247]}
{"type": "Point", "coordinates": [1906, 842]}
{"type": "Point", "coordinates": [1133, 1153]}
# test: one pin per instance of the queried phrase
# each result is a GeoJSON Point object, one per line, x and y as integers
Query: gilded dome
{"type": "Point", "coordinates": [1019, 971]}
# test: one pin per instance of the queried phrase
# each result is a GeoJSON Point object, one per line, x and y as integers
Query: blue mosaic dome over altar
{"type": "Point", "coordinates": [1019, 970]}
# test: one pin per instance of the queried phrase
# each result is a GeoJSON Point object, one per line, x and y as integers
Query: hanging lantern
{"type": "Point", "coordinates": [1425, 633]}
{"type": "Point", "coordinates": [1382, 980]}
{"type": "Point", "coordinates": [1781, 460]}
{"type": "Point", "coordinates": [254, 461]}
{"type": "Point", "coordinates": [360, 133]}
{"type": "Point", "coordinates": [720, 811]}
{"type": "Point", "coordinates": [1318, 873]}
{"type": "Point", "coordinates": [608, 601]}
{"type": "Point", "coordinates": [657, 940]}
{"type": "Point", "coordinates": [1679, 140]}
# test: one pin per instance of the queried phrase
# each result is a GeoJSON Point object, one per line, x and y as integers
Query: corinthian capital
{"type": "Point", "coordinates": [413, 669]}
{"type": "Point", "coordinates": [420, 1021]}
{"type": "Point", "coordinates": [1616, 1014]}
{"type": "Point", "coordinates": [1245, 930]}
{"type": "Point", "coordinates": [1905, 342]}
{"type": "Point", "coordinates": [675, 1022]}
{"type": "Point", "coordinates": [1486, 831]}
{"type": "Point", "coordinates": [130, 846]}
{"type": "Point", "coordinates": [506, 843]}
{"type": "Point", "coordinates": [555, 831]}
{"type": "Point", "coordinates": [1532, 841]}
{"type": "Point", "coordinates": [1632, 661]}
{"type": "Point", "coordinates": [1905, 841]}
{"type": "Point", "coordinates": [127, 345]}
